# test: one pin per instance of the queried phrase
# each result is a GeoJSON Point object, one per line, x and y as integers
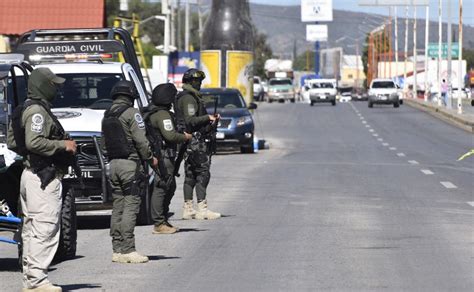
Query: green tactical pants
{"type": "Point", "coordinates": [125, 205]}
{"type": "Point", "coordinates": [161, 197]}
{"type": "Point", "coordinates": [197, 175]}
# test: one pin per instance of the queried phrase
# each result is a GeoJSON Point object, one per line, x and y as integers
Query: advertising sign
{"type": "Point", "coordinates": [316, 10]}
{"type": "Point", "coordinates": [180, 62]}
{"type": "Point", "coordinates": [433, 50]}
{"type": "Point", "coordinates": [240, 73]}
{"type": "Point", "coordinates": [316, 32]}
{"type": "Point", "coordinates": [211, 66]}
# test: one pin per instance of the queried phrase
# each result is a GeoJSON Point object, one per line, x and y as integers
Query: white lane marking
{"type": "Point", "coordinates": [471, 203]}
{"type": "Point", "coordinates": [299, 203]}
{"type": "Point", "coordinates": [375, 135]}
{"type": "Point", "coordinates": [364, 122]}
{"type": "Point", "coordinates": [361, 118]}
{"type": "Point", "coordinates": [427, 171]}
{"type": "Point", "coordinates": [380, 139]}
{"type": "Point", "coordinates": [393, 148]}
{"type": "Point", "coordinates": [413, 162]}
{"type": "Point", "coordinates": [371, 130]}
{"type": "Point", "coordinates": [448, 185]}
{"type": "Point", "coordinates": [401, 154]}
{"type": "Point", "coordinates": [385, 144]}
{"type": "Point", "coordinates": [367, 126]}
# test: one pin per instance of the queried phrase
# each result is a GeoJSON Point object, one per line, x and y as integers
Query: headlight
{"type": "Point", "coordinates": [244, 120]}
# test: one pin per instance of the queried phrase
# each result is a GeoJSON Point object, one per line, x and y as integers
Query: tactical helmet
{"type": "Point", "coordinates": [124, 87]}
{"type": "Point", "coordinates": [164, 94]}
{"type": "Point", "coordinates": [193, 74]}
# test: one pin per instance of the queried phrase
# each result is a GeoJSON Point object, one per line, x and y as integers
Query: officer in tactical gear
{"type": "Point", "coordinates": [162, 125]}
{"type": "Point", "coordinates": [37, 135]}
{"type": "Point", "coordinates": [127, 147]}
{"type": "Point", "coordinates": [192, 116]}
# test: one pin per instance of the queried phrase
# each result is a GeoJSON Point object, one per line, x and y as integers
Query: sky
{"type": "Point", "coordinates": [352, 5]}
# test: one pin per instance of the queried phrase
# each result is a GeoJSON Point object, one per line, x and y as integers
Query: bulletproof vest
{"type": "Point", "coordinates": [37, 161]}
{"type": "Point", "coordinates": [155, 136]}
{"type": "Point", "coordinates": [116, 142]}
{"type": "Point", "coordinates": [180, 123]}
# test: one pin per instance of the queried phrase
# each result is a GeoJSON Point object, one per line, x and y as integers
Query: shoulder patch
{"type": "Point", "coordinates": [168, 125]}
{"type": "Point", "coordinates": [191, 110]}
{"type": "Point", "coordinates": [37, 122]}
{"type": "Point", "coordinates": [139, 120]}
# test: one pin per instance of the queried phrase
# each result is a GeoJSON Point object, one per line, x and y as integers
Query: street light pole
{"type": "Point", "coordinates": [460, 79]}
{"type": "Point", "coordinates": [450, 41]}
{"type": "Point", "coordinates": [415, 61]}
{"type": "Point", "coordinates": [405, 83]}
{"type": "Point", "coordinates": [440, 60]}
{"type": "Point", "coordinates": [427, 32]}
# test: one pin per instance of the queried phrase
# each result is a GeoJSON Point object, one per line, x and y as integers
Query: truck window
{"type": "Point", "coordinates": [83, 90]}
{"type": "Point", "coordinates": [383, 84]}
{"type": "Point", "coordinates": [323, 85]}
{"type": "Point", "coordinates": [280, 82]}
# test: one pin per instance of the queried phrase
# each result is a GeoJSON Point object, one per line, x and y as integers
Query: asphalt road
{"type": "Point", "coordinates": [347, 198]}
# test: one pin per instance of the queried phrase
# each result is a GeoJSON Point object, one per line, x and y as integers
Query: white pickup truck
{"type": "Point", "coordinates": [383, 91]}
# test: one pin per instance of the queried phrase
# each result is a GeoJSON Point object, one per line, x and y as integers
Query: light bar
{"type": "Point", "coordinates": [70, 57]}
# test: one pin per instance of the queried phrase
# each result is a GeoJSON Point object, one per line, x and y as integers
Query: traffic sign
{"type": "Point", "coordinates": [316, 32]}
{"type": "Point", "coordinates": [433, 50]}
{"type": "Point", "coordinates": [316, 10]}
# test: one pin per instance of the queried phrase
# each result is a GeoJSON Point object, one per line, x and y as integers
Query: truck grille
{"type": "Point", "coordinates": [87, 153]}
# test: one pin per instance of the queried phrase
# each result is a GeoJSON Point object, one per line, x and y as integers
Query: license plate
{"type": "Point", "coordinates": [322, 96]}
{"type": "Point", "coordinates": [220, 135]}
{"type": "Point", "coordinates": [383, 98]}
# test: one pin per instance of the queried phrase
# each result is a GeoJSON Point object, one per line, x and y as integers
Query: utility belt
{"type": "Point", "coordinates": [46, 168]}
{"type": "Point", "coordinates": [136, 187]}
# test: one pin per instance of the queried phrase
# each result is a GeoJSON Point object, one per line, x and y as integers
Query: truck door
{"type": "Point", "coordinates": [130, 75]}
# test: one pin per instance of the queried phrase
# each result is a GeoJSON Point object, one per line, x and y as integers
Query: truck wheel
{"type": "Point", "coordinates": [333, 102]}
{"type": "Point", "coordinates": [144, 216]}
{"type": "Point", "coordinates": [17, 237]}
{"type": "Point", "coordinates": [370, 104]}
{"type": "Point", "coordinates": [292, 100]}
{"type": "Point", "coordinates": [270, 100]}
{"type": "Point", "coordinates": [396, 104]}
{"type": "Point", "coordinates": [311, 103]}
{"type": "Point", "coordinates": [68, 232]}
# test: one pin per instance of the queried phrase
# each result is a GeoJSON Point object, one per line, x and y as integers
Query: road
{"type": "Point", "coordinates": [347, 198]}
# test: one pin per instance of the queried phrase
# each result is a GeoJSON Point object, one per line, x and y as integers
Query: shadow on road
{"type": "Point", "coordinates": [161, 257]}
{"type": "Point", "coordinates": [73, 287]}
{"type": "Point", "coordinates": [191, 230]}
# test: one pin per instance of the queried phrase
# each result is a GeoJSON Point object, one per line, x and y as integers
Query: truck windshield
{"type": "Point", "coordinates": [383, 84]}
{"type": "Point", "coordinates": [280, 82]}
{"type": "Point", "coordinates": [86, 90]}
{"type": "Point", "coordinates": [323, 85]}
{"type": "Point", "coordinates": [224, 100]}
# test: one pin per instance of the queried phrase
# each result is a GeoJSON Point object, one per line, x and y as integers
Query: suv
{"type": "Point", "coordinates": [280, 89]}
{"type": "Point", "coordinates": [383, 91]}
{"type": "Point", "coordinates": [322, 90]}
{"type": "Point", "coordinates": [258, 91]}
{"type": "Point", "coordinates": [236, 126]}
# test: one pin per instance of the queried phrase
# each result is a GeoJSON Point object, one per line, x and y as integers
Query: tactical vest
{"type": "Point", "coordinates": [180, 122]}
{"type": "Point", "coordinates": [116, 142]}
{"type": "Point", "coordinates": [37, 161]}
{"type": "Point", "coordinates": [155, 136]}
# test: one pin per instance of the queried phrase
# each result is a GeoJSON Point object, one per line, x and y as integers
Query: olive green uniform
{"type": "Point", "coordinates": [164, 123]}
{"type": "Point", "coordinates": [197, 171]}
{"type": "Point", "coordinates": [41, 208]}
{"type": "Point", "coordinates": [123, 172]}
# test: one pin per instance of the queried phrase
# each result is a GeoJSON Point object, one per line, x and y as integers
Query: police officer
{"type": "Point", "coordinates": [125, 142]}
{"type": "Point", "coordinates": [192, 113]}
{"type": "Point", "coordinates": [163, 124]}
{"type": "Point", "coordinates": [39, 137]}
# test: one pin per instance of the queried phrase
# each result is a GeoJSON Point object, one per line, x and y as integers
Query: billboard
{"type": "Point", "coordinates": [316, 10]}
{"type": "Point", "coordinates": [211, 66]}
{"type": "Point", "coordinates": [316, 32]}
{"type": "Point", "coordinates": [180, 62]}
{"type": "Point", "coordinates": [240, 73]}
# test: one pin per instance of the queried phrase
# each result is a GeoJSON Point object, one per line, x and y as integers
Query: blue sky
{"type": "Point", "coordinates": [352, 5]}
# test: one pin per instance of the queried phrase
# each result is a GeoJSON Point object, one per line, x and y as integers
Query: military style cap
{"type": "Point", "coordinates": [164, 94]}
{"type": "Point", "coordinates": [48, 74]}
{"type": "Point", "coordinates": [193, 74]}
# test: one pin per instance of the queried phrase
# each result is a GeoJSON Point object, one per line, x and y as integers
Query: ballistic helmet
{"type": "Point", "coordinates": [193, 74]}
{"type": "Point", "coordinates": [164, 94]}
{"type": "Point", "coordinates": [124, 87]}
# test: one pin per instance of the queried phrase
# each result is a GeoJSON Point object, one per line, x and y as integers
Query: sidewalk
{"type": "Point", "coordinates": [464, 121]}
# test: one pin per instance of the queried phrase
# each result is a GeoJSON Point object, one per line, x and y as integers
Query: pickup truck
{"type": "Point", "coordinates": [383, 91]}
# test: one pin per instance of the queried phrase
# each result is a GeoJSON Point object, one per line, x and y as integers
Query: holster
{"type": "Point", "coordinates": [139, 184]}
{"type": "Point", "coordinates": [46, 175]}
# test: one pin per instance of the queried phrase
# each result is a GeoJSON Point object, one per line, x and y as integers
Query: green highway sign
{"type": "Point", "coordinates": [433, 50]}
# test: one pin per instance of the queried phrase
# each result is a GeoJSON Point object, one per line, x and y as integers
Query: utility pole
{"type": "Point", "coordinates": [200, 18]}
{"type": "Point", "coordinates": [396, 41]}
{"type": "Point", "coordinates": [440, 60]}
{"type": "Point", "coordinates": [186, 28]}
{"type": "Point", "coordinates": [415, 61]}
{"type": "Point", "coordinates": [427, 32]}
{"type": "Point", "coordinates": [173, 24]}
{"type": "Point", "coordinates": [450, 42]}
{"type": "Point", "coordinates": [405, 83]}
{"type": "Point", "coordinates": [460, 77]}
{"type": "Point", "coordinates": [178, 18]}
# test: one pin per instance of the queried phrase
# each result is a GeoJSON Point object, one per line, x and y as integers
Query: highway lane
{"type": "Point", "coordinates": [329, 206]}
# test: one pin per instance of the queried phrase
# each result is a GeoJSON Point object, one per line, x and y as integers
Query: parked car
{"type": "Point", "coordinates": [383, 91]}
{"type": "Point", "coordinates": [258, 91]}
{"type": "Point", "coordinates": [281, 90]}
{"type": "Point", "coordinates": [236, 126]}
{"type": "Point", "coordinates": [322, 90]}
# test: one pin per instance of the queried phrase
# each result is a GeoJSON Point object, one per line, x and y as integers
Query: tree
{"type": "Point", "coordinates": [304, 62]}
{"type": "Point", "coordinates": [262, 52]}
{"type": "Point", "coordinates": [381, 45]}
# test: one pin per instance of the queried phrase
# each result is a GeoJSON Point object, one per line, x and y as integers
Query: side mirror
{"type": "Point", "coordinates": [252, 106]}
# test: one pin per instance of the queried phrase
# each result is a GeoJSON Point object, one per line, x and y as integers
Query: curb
{"type": "Point", "coordinates": [443, 114]}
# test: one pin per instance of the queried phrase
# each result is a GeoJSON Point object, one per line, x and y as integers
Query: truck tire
{"type": "Point", "coordinates": [370, 104]}
{"type": "Point", "coordinates": [17, 236]}
{"type": "Point", "coordinates": [396, 104]}
{"type": "Point", "coordinates": [333, 103]}
{"type": "Point", "coordinates": [68, 232]}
